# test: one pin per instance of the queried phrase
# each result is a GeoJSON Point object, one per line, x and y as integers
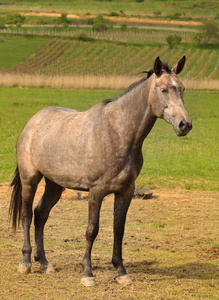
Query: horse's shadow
{"type": "Point", "coordinates": [203, 271]}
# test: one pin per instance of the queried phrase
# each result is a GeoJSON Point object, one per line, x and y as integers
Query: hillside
{"type": "Point", "coordinates": [73, 51]}
{"type": "Point", "coordinates": [188, 8]}
{"type": "Point", "coordinates": [72, 57]}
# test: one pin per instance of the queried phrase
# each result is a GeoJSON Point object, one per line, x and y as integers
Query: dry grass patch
{"type": "Point", "coordinates": [89, 82]}
{"type": "Point", "coordinates": [177, 260]}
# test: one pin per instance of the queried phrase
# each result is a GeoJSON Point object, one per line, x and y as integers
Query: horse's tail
{"type": "Point", "coordinates": [16, 200]}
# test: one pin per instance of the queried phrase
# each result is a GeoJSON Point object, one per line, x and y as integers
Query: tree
{"type": "Point", "coordinates": [208, 33]}
{"type": "Point", "coordinates": [99, 24]}
{"type": "Point", "coordinates": [173, 39]}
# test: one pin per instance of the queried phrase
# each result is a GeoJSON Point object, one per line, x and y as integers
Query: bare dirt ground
{"type": "Point", "coordinates": [171, 249]}
{"type": "Point", "coordinates": [121, 19]}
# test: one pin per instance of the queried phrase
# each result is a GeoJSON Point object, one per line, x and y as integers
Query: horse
{"type": "Point", "coordinates": [99, 151]}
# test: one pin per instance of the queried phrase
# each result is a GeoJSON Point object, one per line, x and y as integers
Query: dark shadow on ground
{"type": "Point", "coordinates": [203, 271]}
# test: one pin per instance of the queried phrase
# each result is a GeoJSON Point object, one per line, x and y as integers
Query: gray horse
{"type": "Point", "coordinates": [100, 151]}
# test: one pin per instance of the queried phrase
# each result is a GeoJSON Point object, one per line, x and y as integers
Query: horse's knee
{"type": "Point", "coordinates": [92, 231]}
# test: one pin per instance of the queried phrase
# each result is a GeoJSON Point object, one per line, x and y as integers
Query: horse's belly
{"type": "Point", "coordinates": [64, 166]}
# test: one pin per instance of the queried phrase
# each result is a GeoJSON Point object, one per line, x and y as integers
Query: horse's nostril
{"type": "Point", "coordinates": [182, 125]}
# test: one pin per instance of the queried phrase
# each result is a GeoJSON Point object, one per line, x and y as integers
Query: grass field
{"type": "Point", "coordinates": [148, 7]}
{"type": "Point", "coordinates": [67, 57]}
{"type": "Point", "coordinates": [66, 63]}
{"type": "Point", "coordinates": [189, 162]}
{"type": "Point", "coordinates": [17, 49]}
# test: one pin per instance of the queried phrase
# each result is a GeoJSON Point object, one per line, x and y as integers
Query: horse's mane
{"type": "Point", "coordinates": [135, 84]}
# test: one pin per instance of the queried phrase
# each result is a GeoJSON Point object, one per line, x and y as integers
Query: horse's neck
{"type": "Point", "coordinates": [131, 115]}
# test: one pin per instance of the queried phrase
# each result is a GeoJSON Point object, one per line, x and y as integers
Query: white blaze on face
{"type": "Point", "coordinates": [174, 83]}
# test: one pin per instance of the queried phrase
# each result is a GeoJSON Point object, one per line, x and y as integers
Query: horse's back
{"type": "Point", "coordinates": [54, 143]}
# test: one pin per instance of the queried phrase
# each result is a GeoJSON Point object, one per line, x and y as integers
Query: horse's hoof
{"type": "Point", "coordinates": [88, 281]}
{"type": "Point", "coordinates": [24, 268]}
{"type": "Point", "coordinates": [124, 279]}
{"type": "Point", "coordinates": [48, 268]}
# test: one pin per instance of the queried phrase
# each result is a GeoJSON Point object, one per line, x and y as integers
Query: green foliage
{"type": "Point", "coordinates": [99, 24]}
{"type": "Point", "coordinates": [123, 27]}
{"type": "Point", "coordinates": [174, 16]}
{"type": "Point", "coordinates": [208, 33]}
{"type": "Point", "coordinates": [2, 22]}
{"type": "Point", "coordinates": [83, 37]}
{"type": "Point", "coordinates": [113, 14]}
{"type": "Point", "coordinates": [15, 18]}
{"type": "Point", "coordinates": [173, 40]}
{"type": "Point", "coordinates": [90, 21]}
{"type": "Point", "coordinates": [157, 13]}
{"type": "Point", "coordinates": [63, 19]}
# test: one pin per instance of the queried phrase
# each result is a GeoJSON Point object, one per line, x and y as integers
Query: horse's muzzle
{"type": "Point", "coordinates": [184, 127]}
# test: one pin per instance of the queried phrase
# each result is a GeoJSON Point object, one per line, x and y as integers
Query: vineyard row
{"type": "Point", "coordinates": [71, 57]}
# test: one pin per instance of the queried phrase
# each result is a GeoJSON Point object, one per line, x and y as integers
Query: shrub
{"type": "Point", "coordinates": [90, 21]}
{"type": "Point", "coordinates": [175, 16]}
{"type": "Point", "coordinates": [123, 27]}
{"type": "Point", "coordinates": [63, 19]}
{"type": "Point", "coordinates": [99, 24]}
{"type": "Point", "coordinates": [157, 13]}
{"type": "Point", "coordinates": [15, 18]}
{"type": "Point", "coordinates": [173, 39]}
{"type": "Point", "coordinates": [208, 33]}
{"type": "Point", "coordinates": [113, 14]}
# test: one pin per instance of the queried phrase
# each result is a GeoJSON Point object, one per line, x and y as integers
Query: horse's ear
{"type": "Point", "coordinates": [180, 65]}
{"type": "Point", "coordinates": [158, 66]}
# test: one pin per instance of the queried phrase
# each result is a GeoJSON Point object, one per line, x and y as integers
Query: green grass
{"type": "Point", "coordinates": [189, 162]}
{"type": "Point", "coordinates": [189, 7]}
{"type": "Point", "coordinates": [66, 57]}
{"type": "Point", "coordinates": [14, 50]}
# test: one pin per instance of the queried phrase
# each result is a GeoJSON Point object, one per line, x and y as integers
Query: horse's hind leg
{"type": "Point", "coordinates": [121, 205]}
{"type": "Point", "coordinates": [28, 193]}
{"type": "Point", "coordinates": [41, 213]}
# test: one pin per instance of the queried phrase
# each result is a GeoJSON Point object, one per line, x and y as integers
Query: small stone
{"type": "Point", "coordinates": [144, 193]}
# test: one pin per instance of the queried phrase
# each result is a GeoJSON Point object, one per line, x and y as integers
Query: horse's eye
{"type": "Point", "coordinates": [163, 90]}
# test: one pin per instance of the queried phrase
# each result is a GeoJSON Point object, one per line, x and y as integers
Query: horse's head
{"type": "Point", "coordinates": [168, 96]}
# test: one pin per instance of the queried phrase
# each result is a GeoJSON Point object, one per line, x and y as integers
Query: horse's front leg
{"type": "Point", "coordinates": [95, 201]}
{"type": "Point", "coordinates": [122, 202]}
